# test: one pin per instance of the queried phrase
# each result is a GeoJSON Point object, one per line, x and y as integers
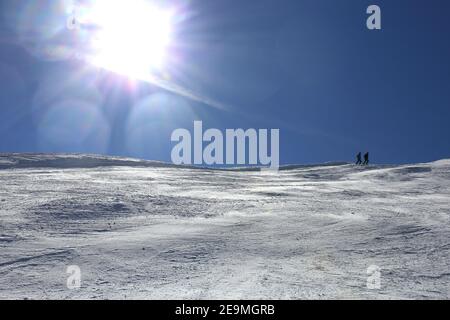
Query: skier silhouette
{"type": "Point", "coordinates": [366, 159]}
{"type": "Point", "coordinates": [358, 159]}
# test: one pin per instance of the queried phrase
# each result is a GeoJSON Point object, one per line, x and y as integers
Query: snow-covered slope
{"type": "Point", "coordinates": [71, 161]}
{"type": "Point", "coordinates": [154, 231]}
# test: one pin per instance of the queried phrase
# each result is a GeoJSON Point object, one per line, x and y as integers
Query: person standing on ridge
{"type": "Point", "coordinates": [358, 159]}
{"type": "Point", "coordinates": [366, 159]}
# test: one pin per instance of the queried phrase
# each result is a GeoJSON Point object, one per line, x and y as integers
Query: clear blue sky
{"type": "Point", "coordinates": [308, 67]}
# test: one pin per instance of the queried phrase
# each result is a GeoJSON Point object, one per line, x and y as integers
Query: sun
{"type": "Point", "coordinates": [131, 37]}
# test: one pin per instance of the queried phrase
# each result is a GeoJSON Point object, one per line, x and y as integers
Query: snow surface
{"type": "Point", "coordinates": [147, 230]}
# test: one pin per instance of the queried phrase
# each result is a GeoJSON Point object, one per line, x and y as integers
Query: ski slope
{"type": "Point", "coordinates": [148, 230]}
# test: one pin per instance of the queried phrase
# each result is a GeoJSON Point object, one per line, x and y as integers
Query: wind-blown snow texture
{"type": "Point", "coordinates": [145, 230]}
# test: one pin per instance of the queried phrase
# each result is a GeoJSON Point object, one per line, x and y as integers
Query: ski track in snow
{"type": "Point", "coordinates": [145, 230]}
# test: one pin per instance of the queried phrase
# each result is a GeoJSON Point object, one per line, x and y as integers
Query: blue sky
{"type": "Point", "coordinates": [308, 67]}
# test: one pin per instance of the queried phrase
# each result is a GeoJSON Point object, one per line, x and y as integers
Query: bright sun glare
{"type": "Point", "coordinates": [132, 36]}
